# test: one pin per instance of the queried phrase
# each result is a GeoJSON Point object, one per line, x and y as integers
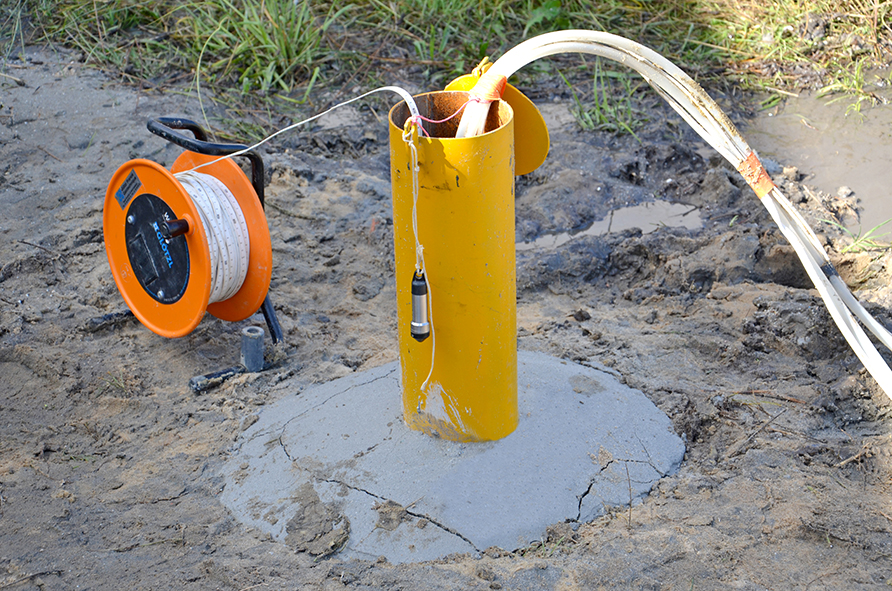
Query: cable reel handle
{"type": "Point", "coordinates": [164, 127]}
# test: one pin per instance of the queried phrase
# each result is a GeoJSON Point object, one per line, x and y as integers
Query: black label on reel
{"type": "Point", "coordinates": [128, 189]}
{"type": "Point", "coordinates": [160, 264]}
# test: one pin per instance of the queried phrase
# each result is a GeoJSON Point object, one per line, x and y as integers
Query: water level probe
{"type": "Point", "coordinates": [690, 101]}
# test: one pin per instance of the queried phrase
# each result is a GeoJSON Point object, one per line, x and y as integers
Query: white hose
{"type": "Point", "coordinates": [834, 297]}
{"type": "Point", "coordinates": [680, 91]}
{"type": "Point", "coordinates": [690, 101]}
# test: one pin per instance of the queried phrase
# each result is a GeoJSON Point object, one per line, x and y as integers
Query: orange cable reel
{"type": "Point", "coordinates": [166, 262]}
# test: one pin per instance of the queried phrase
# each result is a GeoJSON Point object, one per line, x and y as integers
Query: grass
{"type": "Point", "coordinates": [832, 35]}
{"type": "Point", "coordinates": [611, 106]}
{"type": "Point", "coordinates": [852, 85]}
{"type": "Point", "coordinates": [249, 46]}
{"type": "Point", "coordinates": [118, 385]}
{"type": "Point", "coordinates": [277, 52]}
{"type": "Point", "coordinates": [864, 241]}
{"type": "Point", "coordinates": [11, 33]}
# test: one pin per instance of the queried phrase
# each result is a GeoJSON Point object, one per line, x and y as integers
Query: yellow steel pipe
{"type": "Point", "coordinates": [465, 213]}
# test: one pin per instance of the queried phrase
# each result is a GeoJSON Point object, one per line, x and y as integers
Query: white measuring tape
{"type": "Point", "coordinates": [225, 229]}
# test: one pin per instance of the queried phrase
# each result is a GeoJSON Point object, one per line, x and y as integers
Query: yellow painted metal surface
{"type": "Point", "coordinates": [466, 226]}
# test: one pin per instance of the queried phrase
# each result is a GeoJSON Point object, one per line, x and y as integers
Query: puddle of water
{"type": "Point", "coordinates": [831, 149]}
{"type": "Point", "coordinates": [647, 216]}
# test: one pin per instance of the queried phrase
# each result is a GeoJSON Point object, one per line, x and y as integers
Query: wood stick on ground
{"type": "Point", "coordinates": [50, 154]}
{"type": "Point", "coordinates": [769, 394]}
{"type": "Point", "coordinates": [18, 81]}
{"type": "Point", "coordinates": [864, 449]}
{"type": "Point", "coordinates": [738, 447]}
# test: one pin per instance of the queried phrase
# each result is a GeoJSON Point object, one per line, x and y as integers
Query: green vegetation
{"type": "Point", "coordinates": [611, 107]}
{"type": "Point", "coordinates": [254, 51]}
{"type": "Point", "coordinates": [829, 43]}
{"type": "Point", "coordinates": [118, 385]}
{"type": "Point", "coordinates": [258, 45]}
{"type": "Point", "coordinates": [863, 241]}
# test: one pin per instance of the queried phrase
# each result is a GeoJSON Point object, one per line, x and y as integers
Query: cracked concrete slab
{"type": "Point", "coordinates": [335, 469]}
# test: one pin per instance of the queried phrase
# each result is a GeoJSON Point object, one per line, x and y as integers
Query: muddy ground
{"type": "Point", "coordinates": [110, 464]}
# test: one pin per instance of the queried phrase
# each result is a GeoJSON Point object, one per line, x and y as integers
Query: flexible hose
{"type": "Point", "coordinates": [690, 101]}
{"type": "Point", "coordinates": [834, 297]}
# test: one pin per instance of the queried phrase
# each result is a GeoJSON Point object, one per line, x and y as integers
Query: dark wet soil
{"type": "Point", "coordinates": [110, 464]}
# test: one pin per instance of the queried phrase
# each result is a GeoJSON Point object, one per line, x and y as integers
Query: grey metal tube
{"type": "Point", "coordinates": [252, 348]}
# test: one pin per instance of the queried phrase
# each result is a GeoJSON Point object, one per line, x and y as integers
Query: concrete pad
{"type": "Point", "coordinates": [335, 468]}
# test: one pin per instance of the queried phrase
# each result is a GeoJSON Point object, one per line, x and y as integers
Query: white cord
{"type": "Point", "coordinates": [410, 102]}
{"type": "Point", "coordinates": [228, 235]}
{"type": "Point", "coordinates": [224, 239]}
{"type": "Point", "coordinates": [225, 229]}
{"type": "Point", "coordinates": [419, 248]}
